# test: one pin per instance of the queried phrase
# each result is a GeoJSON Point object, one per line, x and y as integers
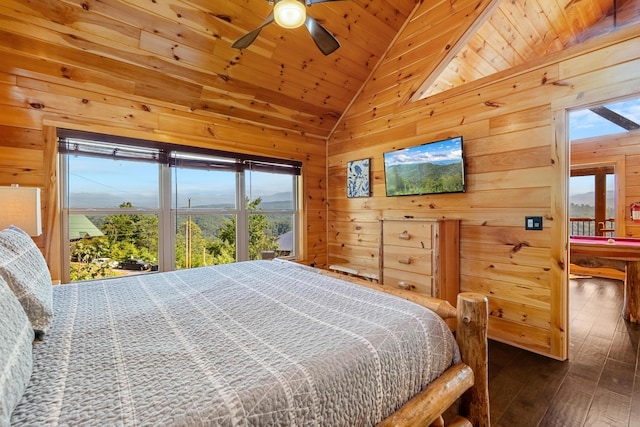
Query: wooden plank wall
{"type": "Point", "coordinates": [512, 123]}
{"type": "Point", "coordinates": [516, 164]}
{"type": "Point", "coordinates": [34, 101]}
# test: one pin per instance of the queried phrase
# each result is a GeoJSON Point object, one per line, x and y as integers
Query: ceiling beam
{"type": "Point", "coordinates": [615, 118]}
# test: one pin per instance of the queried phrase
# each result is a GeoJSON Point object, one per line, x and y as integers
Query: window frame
{"type": "Point", "coordinates": [166, 213]}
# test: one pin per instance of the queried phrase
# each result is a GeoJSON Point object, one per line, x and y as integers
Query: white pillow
{"type": "Point", "coordinates": [25, 271]}
{"type": "Point", "coordinates": [16, 336]}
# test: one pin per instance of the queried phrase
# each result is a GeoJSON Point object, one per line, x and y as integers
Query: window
{"type": "Point", "coordinates": [204, 204]}
{"type": "Point", "coordinates": [592, 201]}
{"type": "Point", "coordinates": [135, 206]}
{"type": "Point", "coordinates": [271, 216]}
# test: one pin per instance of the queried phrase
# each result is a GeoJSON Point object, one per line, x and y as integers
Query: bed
{"type": "Point", "coordinates": [251, 343]}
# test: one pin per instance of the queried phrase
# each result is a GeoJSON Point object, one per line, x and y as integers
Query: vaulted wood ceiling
{"type": "Point", "coordinates": [179, 51]}
{"type": "Point", "coordinates": [515, 32]}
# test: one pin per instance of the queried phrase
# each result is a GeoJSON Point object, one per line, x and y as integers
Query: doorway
{"type": "Point", "coordinates": [604, 158]}
{"type": "Point", "coordinates": [603, 141]}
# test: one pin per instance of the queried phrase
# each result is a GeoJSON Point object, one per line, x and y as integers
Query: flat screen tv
{"type": "Point", "coordinates": [431, 168]}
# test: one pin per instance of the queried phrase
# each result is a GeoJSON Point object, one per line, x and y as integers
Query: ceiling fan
{"type": "Point", "coordinates": [292, 14]}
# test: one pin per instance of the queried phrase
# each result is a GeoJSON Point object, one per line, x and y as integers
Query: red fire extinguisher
{"type": "Point", "coordinates": [635, 212]}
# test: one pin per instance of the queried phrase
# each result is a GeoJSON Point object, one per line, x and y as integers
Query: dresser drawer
{"type": "Point", "coordinates": [410, 235]}
{"type": "Point", "coordinates": [415, 260]}
{"type": "Point", "coordinates": [421, 255]}
{"type": "Point", "coordinates": [415, 282]}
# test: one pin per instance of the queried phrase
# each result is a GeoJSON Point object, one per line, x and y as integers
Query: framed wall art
{"type": "Point", "coordinates": [358, 178]}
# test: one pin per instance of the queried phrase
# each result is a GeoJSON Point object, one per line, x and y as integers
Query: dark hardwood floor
{"type": "Point", "coordinates": [598, 386]}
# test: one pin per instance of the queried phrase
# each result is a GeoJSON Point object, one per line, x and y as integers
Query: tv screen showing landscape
{"type": "Point", "coordinates": [431, 168]}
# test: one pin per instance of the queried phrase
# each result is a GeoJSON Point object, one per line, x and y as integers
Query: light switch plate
{"type": "Point", "coordinates": [533, 223]}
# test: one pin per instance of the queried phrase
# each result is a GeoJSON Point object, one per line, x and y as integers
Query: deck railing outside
{"type": "Point", "coordinates": [588, 227]}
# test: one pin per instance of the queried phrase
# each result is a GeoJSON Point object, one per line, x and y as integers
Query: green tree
{"type": "Point", "coordinates": [84, 251]}
{"type": "Point", "coordinates": [87, 249]}
{"type": "Point", "coordinates": [259, 237]}
{"type": "Point", "coordinates": [221, 251]}
{"type": "Point", "coordinates": [197, 244]}
{"type": "Point", "coordinates": [223, 248]}
{"type": "Point", "coordinates": [89, 271]}
{"type": "Point", "coordinates": [119, 227]}
{"type": "Point", "coordinates": [81, 251]}
{"type": "Point", "coordinates": [132, 235]}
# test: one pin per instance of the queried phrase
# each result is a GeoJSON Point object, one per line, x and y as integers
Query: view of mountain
{"type": "Point", "coordinates": [106, 200]}
{"type": "Point", "coordinates": [588, 198]}
{"type": "Point", "coordinates": [583, 205]}
{"type": "Point", "coordinates": [423, 178]}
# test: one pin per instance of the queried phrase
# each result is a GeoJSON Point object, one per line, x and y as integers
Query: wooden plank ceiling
{"type": "Point", "coordinates": [179, 51]}
{"type": "Point", "coordinates": [516, 32]}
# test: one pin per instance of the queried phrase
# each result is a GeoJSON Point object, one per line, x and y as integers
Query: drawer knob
{"type": "Point", "coordinates": [404, 235]}
{"type": "Point", "coordinates": [406, 286]}
{"type": "Point", "coordinates": [404, 260]}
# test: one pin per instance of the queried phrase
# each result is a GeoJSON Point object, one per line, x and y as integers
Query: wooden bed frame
{"type": "Point", "coordinates": [467, 382]}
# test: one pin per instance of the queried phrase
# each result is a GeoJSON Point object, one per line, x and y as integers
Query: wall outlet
{"type": "Point", "coordinates": [533, 223]}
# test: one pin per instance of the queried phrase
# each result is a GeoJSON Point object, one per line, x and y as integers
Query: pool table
{"type": "Point", "coordinates": [621, 253]}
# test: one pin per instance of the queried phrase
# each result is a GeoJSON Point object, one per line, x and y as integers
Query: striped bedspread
{"type": "Point", "coordinates": [264, 343]}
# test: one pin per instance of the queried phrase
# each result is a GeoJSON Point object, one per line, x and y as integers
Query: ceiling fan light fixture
{"type": "Point", "coordinates": [289, 13]}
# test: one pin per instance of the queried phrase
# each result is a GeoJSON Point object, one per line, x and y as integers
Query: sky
{"type": "Point", "coordinates": [94, 180]}
{"type": "Point", "coordinates": [442, 152]}
{"type": "Point", "coordinates": [584, 123]}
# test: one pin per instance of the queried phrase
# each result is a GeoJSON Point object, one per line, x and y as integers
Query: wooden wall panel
{"type": "Point", "coordinates": [165, 71]}
{"type": "Point", "coordinates": [516, 165]}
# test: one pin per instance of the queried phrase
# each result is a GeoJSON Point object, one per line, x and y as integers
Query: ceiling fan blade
{"type": "Point", "coordinates": [323, 38]}
{"type": "Point", "coordinates": [246, 40]}
{"type": "Point", "coordinates": [310, 2]}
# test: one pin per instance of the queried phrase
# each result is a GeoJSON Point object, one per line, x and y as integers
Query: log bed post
{"type": "Point", "coordinates": [471, 334]}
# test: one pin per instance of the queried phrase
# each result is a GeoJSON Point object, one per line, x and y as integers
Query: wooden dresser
{"type": "Point", "coordinates": [421, 255]}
